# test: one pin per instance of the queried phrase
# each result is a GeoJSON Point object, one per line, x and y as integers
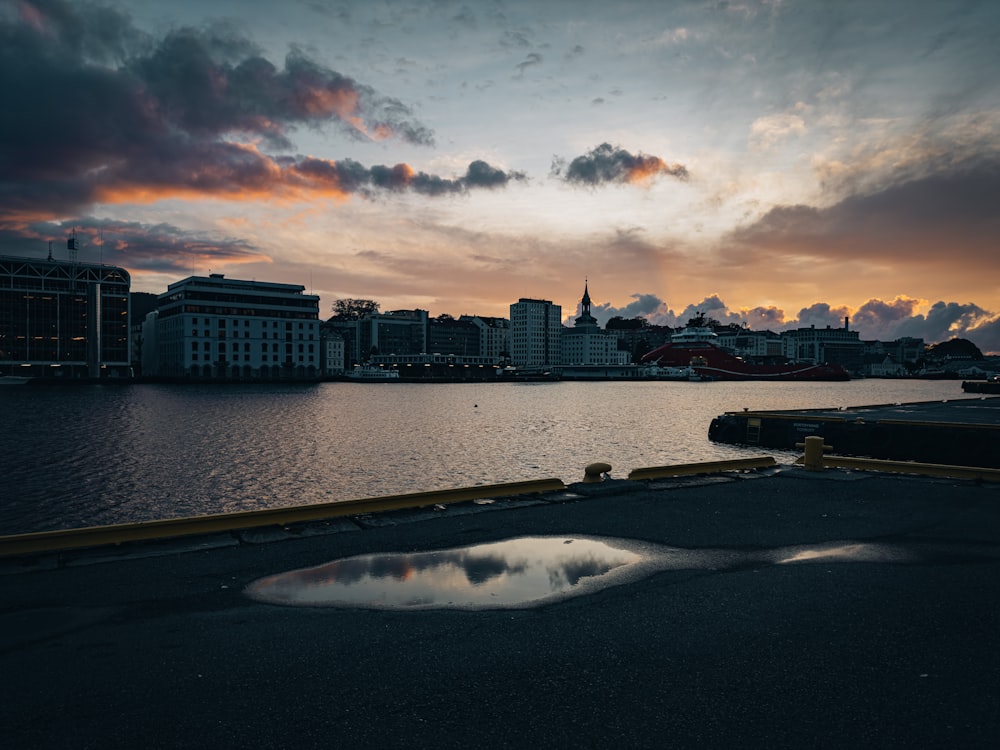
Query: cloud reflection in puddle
{"type": "Point", "coordinates": [522, 572]}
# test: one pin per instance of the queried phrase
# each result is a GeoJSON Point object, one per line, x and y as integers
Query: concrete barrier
{"type": "Point", "coordinates": [705, 467]}
{"type": "Point", "coordinates": [95, 536]}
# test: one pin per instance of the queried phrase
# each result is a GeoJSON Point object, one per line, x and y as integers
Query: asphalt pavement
{"type": "Point", "coordinates": [156, 644]}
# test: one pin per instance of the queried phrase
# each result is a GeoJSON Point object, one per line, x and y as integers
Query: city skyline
{"type": "Point", "coordinates": [767, 162]}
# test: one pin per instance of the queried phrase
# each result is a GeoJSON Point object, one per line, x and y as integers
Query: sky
{"type": "Point", "coordinates": [774, 163]}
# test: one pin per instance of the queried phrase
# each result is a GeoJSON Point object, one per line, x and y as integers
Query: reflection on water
{"type": "Point", "coordinates": [843, 553]}
{"type": "Point", "coordinates": [95, 455]}
{"type": "Point", "coordinates": [515, 572]}
{"type": "Point", "coordinates": [522, 572]}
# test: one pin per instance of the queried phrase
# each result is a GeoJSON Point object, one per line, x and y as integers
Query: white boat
{"type": "Point", "coordinates": [368, 373]}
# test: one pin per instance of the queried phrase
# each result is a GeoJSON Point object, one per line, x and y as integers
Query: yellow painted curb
{"type": "Point", "coordinates": [95, 536]}
{"type": "Point", "coordinates": [706, 467]}
{"type": "Point", "coordinates": [908, 467]}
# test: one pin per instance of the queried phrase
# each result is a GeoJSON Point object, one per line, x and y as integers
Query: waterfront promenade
{"type": "Point", "coordinates": [156, 645]}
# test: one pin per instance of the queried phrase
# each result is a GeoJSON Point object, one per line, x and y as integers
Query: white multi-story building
{"type": "Point", "coordinates": [586, 344]}
{"type": "Point", "coordinates": [817, 345]}
{"type": "Point", "coordinates": [333, 354]}
{"type": "Point", "coordinates": [535, 333]}
{"type": "Point", "coordinates": [217, 328]}
{"type": "Point", "coordinates": [494, 336]}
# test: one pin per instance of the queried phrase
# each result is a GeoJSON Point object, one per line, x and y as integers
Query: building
{"type": "Point", "coordinates": [586, 344]}
{"type": "Point", "coordinates": [214, 328]}
{"type": "Point", "coordinates": [445, 335]}
{"type": "Point", "coordinates": [840, 346]}
{"type": "Point", "coordinates": [535, 334]}
{"type": "Point", "coordinates": [332, 360]}
{"type": "Point", "coordinates": [394, 332]}
{"type": "Point", "coordinates": [753, 346]}
{"type": "Point", "coordinates": [638, 335]}
{"type": "Point", "coordinates": [63, 319]}
{"type": "Point", "coordinates": [494, 337]}
{"type": "Point", "coordinates": [141, 304]}
{"type": "Point", "coordinates": [347, 332]}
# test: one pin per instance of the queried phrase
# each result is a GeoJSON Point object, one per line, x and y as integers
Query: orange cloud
{"type": "Point", "coordinates": [645, 169]}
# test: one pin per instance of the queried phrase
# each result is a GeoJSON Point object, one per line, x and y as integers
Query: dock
{"type": "Point", "coordinates": [961, 432]}
{"type": "Point", "coordinates": [792, 608]}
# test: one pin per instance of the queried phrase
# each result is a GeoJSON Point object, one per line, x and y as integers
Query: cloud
{"type": "Point", "coordinates": [349, 176]}
{"type": "Point", "coordinates": [822, 315]}
{"type": "Point", "coordinates": [944, 321]}
{"type": "Point", "coordinates": [647, 306]}
{"type": "Point", "coordinates": [610, 164]}
{"type": "Point", "coordinates": [160, 248]}
{"type": "Point", "coordinates": [875, 320]}
{"type": "Point", "coordinates": [761, 318]}
{"type": "Point", "coordinates": [946, 218]}
{"type": "Point", "coordinates": [107, 113]}
{"type": "Point", "coordinates": [532, 59]}
{"type": "Point", "coordinates": [768, 131]}
{"type": "Point", "coordinates": [881, 320]}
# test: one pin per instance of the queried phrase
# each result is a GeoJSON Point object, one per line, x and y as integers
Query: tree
{"type": "Point", "coordinates": [354, 309]}
{"type": "Point", "coordinates": [703, 321]}
{"type": "Point", "coordinates": [623, 324]}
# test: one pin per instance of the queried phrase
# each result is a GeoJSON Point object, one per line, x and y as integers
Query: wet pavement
{"type": "Point", "coordinates": [827, 609]}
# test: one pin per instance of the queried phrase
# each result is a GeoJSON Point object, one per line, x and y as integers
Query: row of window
{"type": "Point", "coordinates": [221, 322]}
{"type": "Point", "coordinates": [246, 358]}
{"type": "Point", "coordinates": [246, 334]}
{"type": "Point", "coordinates": [207, 346]}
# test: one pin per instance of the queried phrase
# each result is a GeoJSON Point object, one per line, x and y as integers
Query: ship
{"type": "Point", "coordinates": [372, 374]}
{"type": "Point", "coordinates": [695, 347]}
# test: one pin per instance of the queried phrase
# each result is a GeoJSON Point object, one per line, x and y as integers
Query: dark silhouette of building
{"type": "Point", "coordinates": [63, 319]}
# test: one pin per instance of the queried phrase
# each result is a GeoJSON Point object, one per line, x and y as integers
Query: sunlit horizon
{"type": "Point", "coordinates": [771, 163]}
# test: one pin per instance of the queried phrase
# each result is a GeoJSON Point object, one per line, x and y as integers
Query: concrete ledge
{"type": "Point", "coordinates": [706, 467]}
{"type": "Point", "coordinates": [908, 467]}
{"type": "Point", "coordinates": [96, 536]}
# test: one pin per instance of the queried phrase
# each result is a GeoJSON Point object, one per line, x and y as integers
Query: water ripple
{"type": "Point", "coordinates": [93, 455]}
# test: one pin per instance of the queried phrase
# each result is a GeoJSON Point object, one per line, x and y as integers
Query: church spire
{"type": "Point", "coordinates": [586, 319]}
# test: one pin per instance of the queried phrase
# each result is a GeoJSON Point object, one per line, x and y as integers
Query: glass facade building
{"type": "Point", "coordinates": [63, 319]}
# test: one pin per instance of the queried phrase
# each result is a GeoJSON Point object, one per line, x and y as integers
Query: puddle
{"type": "Point", "coordinates": [520, 572]}
{"type": "Point", "coordinates": [523, 572]}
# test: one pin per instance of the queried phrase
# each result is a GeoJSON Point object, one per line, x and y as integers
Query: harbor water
{"type": "Point", "coordinates": [95, 455]}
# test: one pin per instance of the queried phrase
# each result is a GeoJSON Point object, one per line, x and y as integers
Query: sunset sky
{"type": "Point", "coordinates": [773, 162]}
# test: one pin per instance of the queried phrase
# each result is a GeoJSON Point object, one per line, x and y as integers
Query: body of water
{"type": "Point", "coordinates": [95, 455]}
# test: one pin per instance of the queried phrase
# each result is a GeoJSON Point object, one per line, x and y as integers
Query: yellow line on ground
{"type": "Point", "coordinates": [706, 467]}
{"type": "Point", "coordinates": [95, 536]}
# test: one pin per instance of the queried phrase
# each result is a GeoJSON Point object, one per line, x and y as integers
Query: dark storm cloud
{"type": "Point", "coordinates": [610, 164]}
{"type": "Point", "coordinates": [481, 174]}
{"type": "Point", "coordinates": [948, 217]}
{"type": "Point", "coordinates": [351, 177]}
{"type": "Point", "coordinates": [105, 112]}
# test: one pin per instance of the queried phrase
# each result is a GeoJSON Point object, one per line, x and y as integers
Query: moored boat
{"type": "Point", "coordinates": [694, 347]}
{"type": "Point", "coordinates": [368, 373]}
